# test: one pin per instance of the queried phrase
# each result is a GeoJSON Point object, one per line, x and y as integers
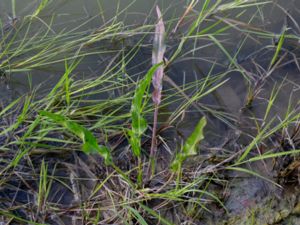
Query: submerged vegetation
{"type": "Point", "coordinates": [78, 145]}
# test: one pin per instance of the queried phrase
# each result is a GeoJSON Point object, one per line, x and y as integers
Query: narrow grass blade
{"type": "Point", "coordinates": [279, 46]}
{"type": "Point", "coordinates": [42, 185]}
{"type": "Point", "coordinates": [41, 6]}
{"type": "Point", "coordinates": [13, 8]}
{"type": "Point", "coordinates": [253, 173]}
{"type": "Point", "coordinates": [186, 12]}
{"type": "Point", "coordinates": [10, 106]}
{"type": "Point", "coordinates": [274, 94]}
{"type": "Point", "coordinates": [254, 142]}
{"type": "Point", "coordinates": [137, 216]}
{"type": "Point", "coordinates": [269, 156]}
{"type": "Point", "coordinates": [18, 218]}
{"type": "Point", "coordinates": [155, 214]}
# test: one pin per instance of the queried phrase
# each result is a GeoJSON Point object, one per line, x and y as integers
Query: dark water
{"type": "Point", "coordinates": [194, 65]}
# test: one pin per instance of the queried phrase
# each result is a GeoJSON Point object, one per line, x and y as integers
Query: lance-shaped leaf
{"type": "Point", "coordinates": [189, 148]}
{"type": "Point", "coordinates": [158, 56]}
{"type": "Point", "coordinates": [139, 124]}
{"type": "Point", "coordinates": [90, 144]}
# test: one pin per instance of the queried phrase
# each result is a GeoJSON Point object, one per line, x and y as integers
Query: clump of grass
{"type": "Point", "coordinates": [46, 136]}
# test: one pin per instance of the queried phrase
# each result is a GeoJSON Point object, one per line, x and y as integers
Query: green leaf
{"type": "Point", "coordinates": [139, 124]}
{"type": "Point", "coordinates": [279, 46]}
{"type": "Point", "coordinates": [90, 144]}
{"type": "Point", "coordinates": [41, 6]}
{"type": "Point", "coordinates": [137, 216]}
{"type": "Point", "coordinates": [135, 143]}
{"type": "Point", "coordinates": [190, 146]}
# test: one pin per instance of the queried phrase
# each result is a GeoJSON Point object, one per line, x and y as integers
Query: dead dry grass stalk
{"type": "Point", "coordinates": [157, 57]}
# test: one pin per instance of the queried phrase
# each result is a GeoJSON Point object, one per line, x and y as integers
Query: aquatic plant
{"type": "Point", "coordinates": [190, 145]}
{"type": "Point", "coordinates": [90, 143]}
{"type": "Point", "coordinates": [55, 141]}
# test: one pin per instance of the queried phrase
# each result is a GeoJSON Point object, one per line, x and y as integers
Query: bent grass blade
{"type": "Point", "coordinates": [90, 144]}
{"type": "Point", "coordinates": [278, 48]}
{"type": "Point", "coordinates": [41, 6]}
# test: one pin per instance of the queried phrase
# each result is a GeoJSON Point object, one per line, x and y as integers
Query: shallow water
{"type": "Point", "coordinates": [193, 66]}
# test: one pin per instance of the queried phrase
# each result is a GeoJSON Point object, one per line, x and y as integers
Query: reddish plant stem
{"type": "Point", "coordinates": [153, 148]}
{"type": "Point", "coordinates": [157, 57]}
{"type": "Point", "coordinates": [154, 141]}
